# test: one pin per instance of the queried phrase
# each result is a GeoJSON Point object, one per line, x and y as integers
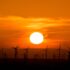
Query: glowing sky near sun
{"type": "Point", "coordinates": [19, 18]}
{"type": "Point", "coordinates": [14, 29]}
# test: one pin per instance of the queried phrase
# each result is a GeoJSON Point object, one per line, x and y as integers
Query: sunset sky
{"type": "Point", "coordinates": [19, 18]}
{"type": "Point", "coordinates": [35, 8]}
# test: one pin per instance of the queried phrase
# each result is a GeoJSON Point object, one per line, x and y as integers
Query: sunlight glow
{"type": "Point", "coordinates": [36, 38]}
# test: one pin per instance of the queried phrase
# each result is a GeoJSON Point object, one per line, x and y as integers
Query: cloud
{"type": "Point", "coordinates": [18, 23]}
{"type": "Point", "coordinates": [13, 28]}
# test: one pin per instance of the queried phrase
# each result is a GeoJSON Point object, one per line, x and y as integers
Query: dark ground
{"type": "Point", "coordinates": [25, 63]}
{"type": "Point", "coordinates": [47, 64]}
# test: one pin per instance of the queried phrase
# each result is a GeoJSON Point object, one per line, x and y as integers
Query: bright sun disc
{"type": "Point", "coordinates": [36, 38]}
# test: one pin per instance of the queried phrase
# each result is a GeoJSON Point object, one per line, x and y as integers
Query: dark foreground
{"type": "Point", "coordinates": [48, 64]}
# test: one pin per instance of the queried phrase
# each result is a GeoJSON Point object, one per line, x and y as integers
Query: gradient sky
{"type": "Point", "coordinates": [15, 30]}
{"type": "Point", "coordinates": [19, 18]}
{"type": "Point", "coordinates": [35, 8]}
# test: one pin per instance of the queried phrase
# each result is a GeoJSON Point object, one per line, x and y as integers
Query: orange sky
{"type": "Point", "coordinates": [35, 8]}
{"type": "Point", "coordinates": [19, 18]}
{"type": "Point", "coordinates": [16, 30]}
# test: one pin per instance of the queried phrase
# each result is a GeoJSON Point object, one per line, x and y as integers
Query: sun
{"type": "Point", "coordinates": [36, 38]}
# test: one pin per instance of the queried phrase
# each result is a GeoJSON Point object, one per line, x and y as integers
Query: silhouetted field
{"type": "Point", "coordinates": [46, 53]}
{"type": "Point", "coordinates": [34, 56]}
{"type": "Point", "coordinates": [33, 63]}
